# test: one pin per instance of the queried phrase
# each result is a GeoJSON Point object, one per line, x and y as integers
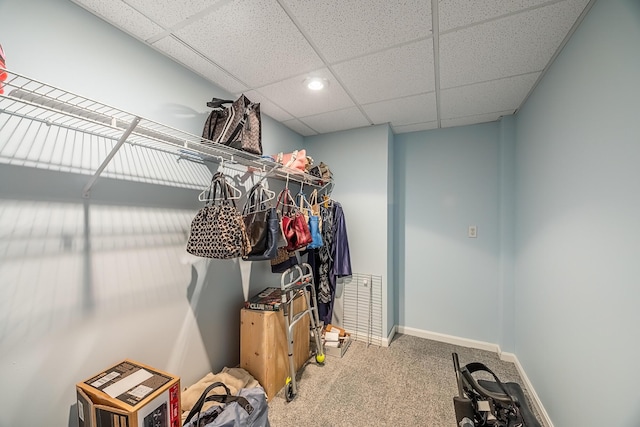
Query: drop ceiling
{"type": "Point", "coordinates": [416, 64]}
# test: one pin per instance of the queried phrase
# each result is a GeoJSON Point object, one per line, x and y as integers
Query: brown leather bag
{"type": "Point", "coordinates": [238, 126]}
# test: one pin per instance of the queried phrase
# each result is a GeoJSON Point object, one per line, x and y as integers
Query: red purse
{"type": "Point", "coordinates": [294, 226]}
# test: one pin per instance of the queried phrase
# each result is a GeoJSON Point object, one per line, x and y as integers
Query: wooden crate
{"type": "Point", "coordinates": [263, 345]}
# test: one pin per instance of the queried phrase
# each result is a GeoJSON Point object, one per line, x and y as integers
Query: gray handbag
{"type": "Point", "coordinates": [248, 409]}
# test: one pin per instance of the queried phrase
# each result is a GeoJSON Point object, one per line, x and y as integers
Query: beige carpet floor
{"type": "Point", "coordinates": [409, 383]}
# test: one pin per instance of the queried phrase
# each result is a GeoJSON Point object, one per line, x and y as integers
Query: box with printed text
{"type": "Point", "coordinates": [129, 394]}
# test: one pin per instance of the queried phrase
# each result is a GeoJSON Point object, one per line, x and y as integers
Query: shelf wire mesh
{"type": "Point", "coordinates": [46, 127]}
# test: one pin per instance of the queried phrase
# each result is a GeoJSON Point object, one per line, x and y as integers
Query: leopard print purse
{"type": "Point", "coordinates": [217, 230]}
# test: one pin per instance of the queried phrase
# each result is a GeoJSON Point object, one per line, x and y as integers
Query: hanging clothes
{"type": "Point", "coordinates": [332, 260]}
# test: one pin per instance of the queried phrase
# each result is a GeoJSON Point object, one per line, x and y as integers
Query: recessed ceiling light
{"type": "Point", "coordinates": [316, 83]}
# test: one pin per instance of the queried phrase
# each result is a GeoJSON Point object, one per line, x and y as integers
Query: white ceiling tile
{"type": "Point", "coordinates": [266, 106]}
{"type": "Point", "coordinates": [254, 39]}
{"type": "Point", "coordinates": [344, 29]}
{"type": "Point", "coordinates": [414, 127]}
{"type": "Point", "coordinates": [334, 121]}
{"type": "Point", "coordinates": [394, 73]}
{"type": "Point", "coordinates": [513, 45]}
{"type": "Point", "coordinates": [123, 16]}
{"type": "Point", "coordinates": [488, 97]}
{"type": "Point", "coordinates": [292, 95]}
{"type": "Point", "coordinates": [169, 12]}
{"type": "Point", "coordinates": [299, 127]}
{"type": "Point", "coordinates": [377, 55]}
{"type": "Point", "coordinates": [186, 56]}
{"type": "Point", "coordinates": [404, 111]}
{"type": "Point", "coordinates": [460, 13]}
{"type": "Point", "coordinates": [472, 120]}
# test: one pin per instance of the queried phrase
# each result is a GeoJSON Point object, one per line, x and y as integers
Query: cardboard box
{"type": "Point", "coordinates": [129, 394]}
{"type": "Point", "coordinates": [332, 328]}
{"type": "Point", "coordinates": [263, 345]}
{"type": "Point", "coordinates": [340, 350]}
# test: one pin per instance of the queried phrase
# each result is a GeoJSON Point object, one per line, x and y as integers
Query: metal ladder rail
{"type": "Point", "coordinates": [303, 283]}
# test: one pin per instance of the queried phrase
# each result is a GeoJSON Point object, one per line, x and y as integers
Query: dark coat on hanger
{"type": "Point", "coordinates": [339, 258]}
{"type": "Point", "coordinates": [340, 253]}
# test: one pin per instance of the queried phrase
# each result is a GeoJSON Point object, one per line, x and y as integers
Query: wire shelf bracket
{"type": "Point", "coordinates": [86, 191]}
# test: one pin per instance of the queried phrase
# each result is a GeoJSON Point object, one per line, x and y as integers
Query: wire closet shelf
{"type": "Point", "coordinates": [30, 109]}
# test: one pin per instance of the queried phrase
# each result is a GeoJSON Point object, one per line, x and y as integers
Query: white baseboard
{"type": "Point", "coordinates": [449, 339]}
{"type": "Point", "coordinates": [481, 345]}
{"type": "Point", "coordinates": [392, 333]}
{"type": "Point", "coordinates": [510, 357]}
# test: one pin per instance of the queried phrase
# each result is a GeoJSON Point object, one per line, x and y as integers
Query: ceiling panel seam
{"type": "Point", "coordinates": [188, 21]}
{"type": "Point", "coordinates": [413, 95]}
{"type": "Point", "coordinates": [324, 60]}
{"type": "Point", "coordinates": [499, 17]}
{"type": "Point", "coordinates": [384, 49]}
{"type": "Point", "coordinates": [489, 113]}
{"type": "Point", "coordinates": [435, 28]}
{"type": "Point", "coordinates": [206, 58]}
{"type": "Point", "coordinates": [510, 76]}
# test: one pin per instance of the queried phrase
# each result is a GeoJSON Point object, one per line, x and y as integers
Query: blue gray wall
{"type": "Point", "coordinates": [578, 210]}
{"type": "Point", "coordinates": [551, 190]}
{"type": "Point", "coordinates": [446, 181]}
{"type": "Point", "coordinates": [359, 160]}
{"type": "Point", "coordinates": [87, 283]}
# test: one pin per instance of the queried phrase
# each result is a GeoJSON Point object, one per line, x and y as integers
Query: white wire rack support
{"type": "Point", "coordinates": [86, 191]}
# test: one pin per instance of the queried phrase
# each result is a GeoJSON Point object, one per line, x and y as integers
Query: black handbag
{"type": "Point", "coordinates": [262, 225]}
{"type": "Point", "coordinates": [217, 230]}
{"type": "Point", "coordinates": [238, 126]}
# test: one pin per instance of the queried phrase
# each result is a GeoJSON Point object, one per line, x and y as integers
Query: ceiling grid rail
{"type": "Point", "coordinates": [326, 63]}
{"type": "Point", "coordinates": [435, 28]}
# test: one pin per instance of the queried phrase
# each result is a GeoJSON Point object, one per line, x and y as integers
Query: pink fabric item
{"type": "Point", "coordinates": [296, 160]}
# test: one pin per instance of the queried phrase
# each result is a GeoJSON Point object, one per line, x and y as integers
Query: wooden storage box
{"type": "Point", "coordinates": [263, 345]}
